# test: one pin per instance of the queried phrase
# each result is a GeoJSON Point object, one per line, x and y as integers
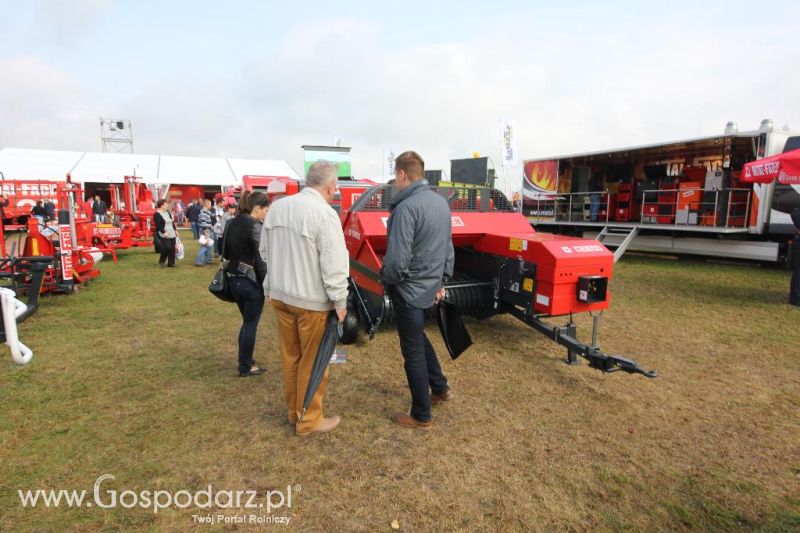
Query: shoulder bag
{"type": "Point", "coordinates": [219, 286]}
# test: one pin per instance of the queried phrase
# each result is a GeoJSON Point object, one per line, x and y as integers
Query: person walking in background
{"type": "Point", "coordinates": [99, 209]}
{"type": "Point", "coordinates": [49, 209]}
{"type": "Point", "coordinates": [246, 272]}
{"type": "Point", "coordinates": [595, 191]}
{"type": "Point", "coordinates": [204, 227]}
{"type": "Point", "coordinates": [230, 212]}
{"type": "Point", "coordinates": [37, 211]}
{"type": "Point", "coordinates": [794, 287]}
{"type": "Point", "coordinates": [179, 212]}
{"type": "Point", "coordinates": [219, 212]}
{"type": "Point", "coordinates": [419, 258]}
{"type": "Point", "coordinates": [166, 233]}
{"type": "Point", "coordinates": [192, 212]}
{"type": "Point", "coordinates": [307, 268]}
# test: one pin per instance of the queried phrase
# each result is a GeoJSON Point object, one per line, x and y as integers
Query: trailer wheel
{"type": "Point", "coordinates": [348, 332]}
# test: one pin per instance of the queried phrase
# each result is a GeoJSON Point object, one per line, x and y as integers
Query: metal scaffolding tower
{"type": "Point", "coordinates": [116, 135]}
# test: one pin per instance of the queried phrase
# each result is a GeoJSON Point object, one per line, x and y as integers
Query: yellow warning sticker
{"type": "Point", "coordinates": [515, 245]}
{"type": "Point", "coordinates": [527, 285]}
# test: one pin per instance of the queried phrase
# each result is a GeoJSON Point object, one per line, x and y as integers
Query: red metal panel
{"type": "Point", "coordinates": [559, 260]}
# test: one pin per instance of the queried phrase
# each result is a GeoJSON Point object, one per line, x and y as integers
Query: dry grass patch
{"type": "Point", "coordinates": [136, 377]}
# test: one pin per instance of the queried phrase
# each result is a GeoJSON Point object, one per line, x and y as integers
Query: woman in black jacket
{"type": "Point", "coordinates": [246, 271]}
{"type": "Point", "coordinates": [166, 234]}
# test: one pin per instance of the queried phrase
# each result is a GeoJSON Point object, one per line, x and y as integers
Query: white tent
{"type": "Point", "coordinates": [54, 165]}
{"type": "Point", "coordinates": [177, 170]}
{"type": "Point", "coordinates": [261, 167]}
{"type": "Point", "coordinates": [112, 168]}
{"type": "Point", "coordinates": [23, 164]}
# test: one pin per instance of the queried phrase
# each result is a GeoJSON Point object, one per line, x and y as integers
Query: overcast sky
{"type": "Point", "coordinates": [259, 79]}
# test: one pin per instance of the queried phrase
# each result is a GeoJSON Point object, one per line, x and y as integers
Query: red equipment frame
{"type": "Point", "coordinates": [133, 208]}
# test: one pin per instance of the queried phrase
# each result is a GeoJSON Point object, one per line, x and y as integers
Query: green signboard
{"type": "Point", "coordinates": [335, 154]}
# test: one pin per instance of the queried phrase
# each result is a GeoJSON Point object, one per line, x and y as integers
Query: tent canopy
{"type": "Point", "coordinates": [177, 170]}
{"type": "Point", "coordinates": [18, 164]}
{"type": "Point", "coordinates": [785, 167]}
{"type": "Point", "coordinates": [54, 165]}
{"type": "Point", "coordinates": [112, 168]}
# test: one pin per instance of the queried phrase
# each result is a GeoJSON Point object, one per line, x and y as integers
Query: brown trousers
{"type": "Point", "coordinates": [300, 332]}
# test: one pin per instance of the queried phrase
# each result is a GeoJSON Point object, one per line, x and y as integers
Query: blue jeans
{"type": "Point", "coordinates": [423, 372]}
{"type": "Point", "coordinates": [249, 298]}
{"type": "Point", "coordinates": [203, 256]}
{"type": "Point", "coordinates": [195, 230]}
{"type": "Point", "coordinates": [594, 206]}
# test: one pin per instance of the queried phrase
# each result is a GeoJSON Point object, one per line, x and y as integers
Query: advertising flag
{"type": "Point", "coordinates": [508, 142]}
{"type": "Point", "coordinates": [390, 153]}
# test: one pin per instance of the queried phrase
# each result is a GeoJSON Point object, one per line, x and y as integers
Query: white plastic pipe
{"type": "Point", "coordinates": [13, 309]}
{"type": "Point", "coordinates": [96, 255]}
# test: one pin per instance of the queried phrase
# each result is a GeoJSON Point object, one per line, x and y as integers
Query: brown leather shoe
{"type": "Point", "coordinates": [408, 421]}
{"type": "Point", "coordinates": [327, 425]}
{"type": "Point", "coordinates": [444, 397]}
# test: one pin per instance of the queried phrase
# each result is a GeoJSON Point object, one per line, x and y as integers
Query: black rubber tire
{"type": "Point", "coordinates": [349, 330]}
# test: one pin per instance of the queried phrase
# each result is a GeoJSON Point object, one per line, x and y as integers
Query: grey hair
{"type": "Point", "coordinates": [321, 173]}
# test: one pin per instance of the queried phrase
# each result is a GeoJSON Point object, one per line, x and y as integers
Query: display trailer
{"type": "Point", "coordinates": [680, 197]}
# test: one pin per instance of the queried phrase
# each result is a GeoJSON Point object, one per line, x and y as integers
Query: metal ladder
{"type": "Point", "coordinates": [619, 237]}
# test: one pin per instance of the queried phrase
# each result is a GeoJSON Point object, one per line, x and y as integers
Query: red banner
{"type": "Point", "coordinates": [65, 243]}
{"type": "Point", "coordinates": [785, 167]}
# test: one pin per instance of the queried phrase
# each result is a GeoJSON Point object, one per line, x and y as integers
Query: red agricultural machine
{"type": "Point", "coordinates": [133, 208]}
{"type": "Point", "coordinates": [72, 263]}
{"type": "Point", "coordinates": [125, 230]}
{"type": "Point", "coordinates": [21, 195]}
{"type": "Point", "coordinates": [130, 217]}
{"type": "Point", "coordinates": [69, 261]}
{"type": "Point", "coordinates": [502, 266]}
{"type": "Point", "coordinates": [273, 186]}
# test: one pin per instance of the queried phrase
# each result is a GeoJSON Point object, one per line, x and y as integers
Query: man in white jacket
{"type": "Point", "coordinates": [307, 268]}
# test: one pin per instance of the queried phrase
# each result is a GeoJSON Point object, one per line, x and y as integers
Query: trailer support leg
{"type": "Point", "coordinates": [572, 331]}
{"type": "Point", "coordinates": [595, 329]}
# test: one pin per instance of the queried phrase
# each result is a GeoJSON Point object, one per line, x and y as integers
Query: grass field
{"type": "Point", "coordinates": [135, 377]}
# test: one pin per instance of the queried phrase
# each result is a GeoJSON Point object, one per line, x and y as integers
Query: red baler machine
{"type": "Point", "coordinates": [502, 266]}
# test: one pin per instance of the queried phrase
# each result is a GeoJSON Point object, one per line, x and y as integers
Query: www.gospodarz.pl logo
{"type": "Point", "coordinates": [157, 500]}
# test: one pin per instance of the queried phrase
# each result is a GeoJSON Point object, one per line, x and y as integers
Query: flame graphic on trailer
{"type": "Point", "coordinates": [539, 183]}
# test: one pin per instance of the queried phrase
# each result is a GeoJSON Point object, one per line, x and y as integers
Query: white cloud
{"type": "Point", "coordinates": [43, 107]}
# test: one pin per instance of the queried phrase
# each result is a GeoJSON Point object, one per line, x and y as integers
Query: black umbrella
{"type": "Point", "coordinates": [324, 353]}
{"type": "Point", "coordinates": [451, 325]}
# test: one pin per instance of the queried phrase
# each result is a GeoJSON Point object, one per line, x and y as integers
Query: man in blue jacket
{"type": "Point", "coordinates": [419, 258]}
{"type": "Point", "coordinates": [192, 213]}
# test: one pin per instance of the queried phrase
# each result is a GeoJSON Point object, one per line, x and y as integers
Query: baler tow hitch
{"type": "Point", "coordinates": [567, 336]}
